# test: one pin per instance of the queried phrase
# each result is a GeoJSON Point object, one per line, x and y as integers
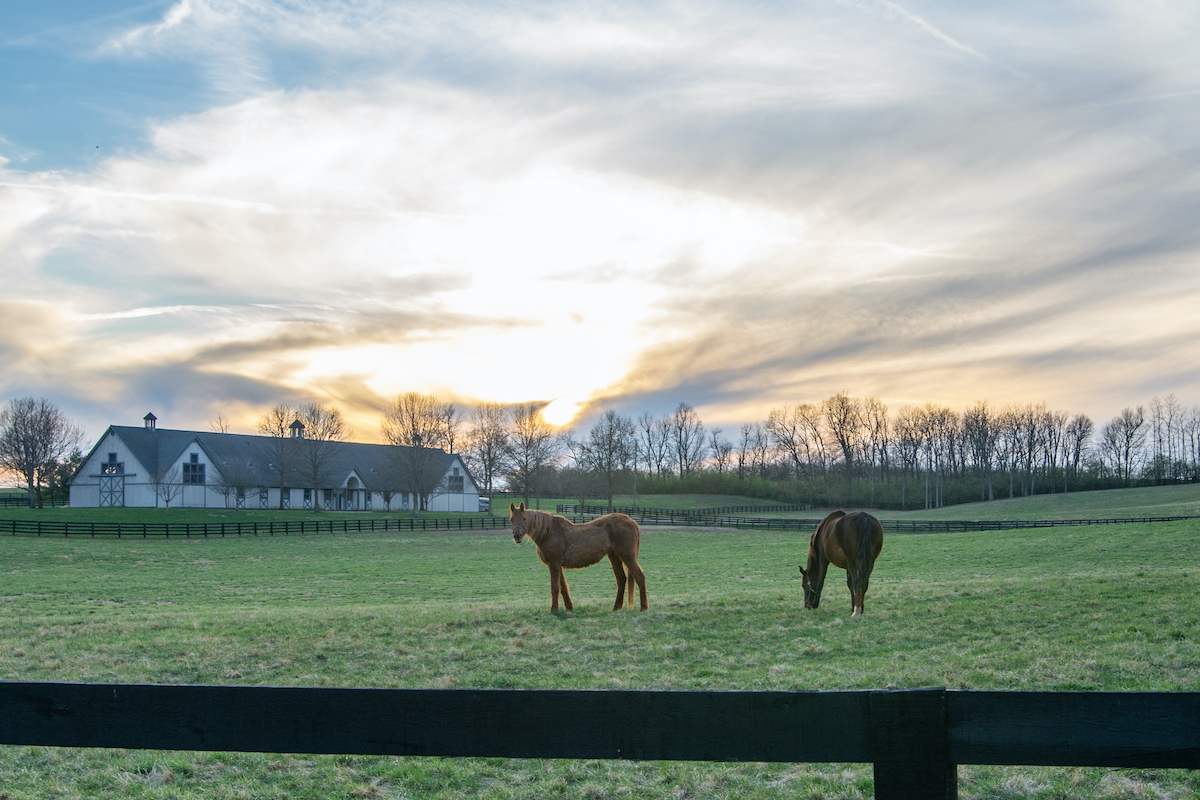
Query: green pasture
{"type": "Point", "coordinates": [1101, 608]}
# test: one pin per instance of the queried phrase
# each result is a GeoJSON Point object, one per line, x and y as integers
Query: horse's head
{"type": "Point", "coordinates": [517, 519]}
{"type": "Point", "coordinates": [812, 597]}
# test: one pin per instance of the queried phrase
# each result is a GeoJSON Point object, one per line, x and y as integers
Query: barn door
{"type": "Point", "coordinates": [112, 491]}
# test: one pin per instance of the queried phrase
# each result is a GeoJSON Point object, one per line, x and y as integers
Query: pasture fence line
{"type": "Point", "coordinates": [889, 525]}
{"type": "Point", "coordinates": [210, 530]}
{"type": "Point", "coordinates": [633, 511]}
{"type": "Point", "coordinates": [373, 524]}
{"type": "Point", "coordinates": [915, 738]}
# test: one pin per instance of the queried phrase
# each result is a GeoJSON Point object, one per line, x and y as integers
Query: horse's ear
{"type": "Point", "coordinates": [522, 507]}
{"type": "Point", "coordinates": [512, 507]}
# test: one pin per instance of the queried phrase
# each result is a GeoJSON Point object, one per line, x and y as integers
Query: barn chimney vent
{"type": "Point", "coordinates": [150, 419]}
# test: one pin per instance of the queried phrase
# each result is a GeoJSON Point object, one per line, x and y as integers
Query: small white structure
{"type": "Point", "coordinates": [145, 467]}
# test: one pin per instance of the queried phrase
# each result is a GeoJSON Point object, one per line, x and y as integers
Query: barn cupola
{"type": "Point", "coordinates": [297, 429]}
{"type": "Point", "coordinates": [150, 420]}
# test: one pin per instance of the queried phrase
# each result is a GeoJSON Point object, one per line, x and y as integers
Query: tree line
{"type": "Point", "coordinates": [843, 450]}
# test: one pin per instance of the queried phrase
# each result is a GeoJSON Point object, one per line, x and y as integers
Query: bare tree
{"type": "Point", "coordinates": [1166, 438]}
{"type": "Point", "coordinates": [787, 436]}
{"type": "Point", "coordinates": [798, 433]}
{"type": "Point", "coordinates": [166, 485]}
{"type": "Point", "coordinates": [654, 434]}
{"type": "Point", "coordinates": [745, 450]}
{"type": "Point", "coordinates": [760, 450]}
{"type": "Point", "coordinates": [452, 422]}
{"type": "Point", "coordinates": [219, 423]}
{"type": "Point", "coordinates": [578, 481]}
{"type": "Point", "coordinates": [417, 424]}
{"type": "Point", "coordinates": [532, 447]}
{"type": "Point", "coordinates": [687, 439]}
{"type": "Point", "coordinates": [910, 442]}
{"type": "Point", "coordinates": [609, 449]}
{"type": "Point", "coordinates": [279, 450]}
{"type": "Point", "coordinates": [940, 432]}
{"type": "Point", "coordinates": [317, 446]}
{"type": "Point", "coordinates": [487, 440]}
{"type": "Point", "coordinates": [1175, 419]}
{"type": "Point", "coordinates": [1010, 445]}
{"type": "Point", "coordinates": [721, 450]}
{"type": "Point", "coordinates": [876, 439]}
{"type": "Point", "coordinates": [1191, 443]}
{"type": "Point", "coordinates": [981, 432]}
{"type": "Point", "coordinates": [1122, 440]}
{"type": "Point", "coordinates": [843, 420]}
{"type": "Point", "coordinates": [1078, 433]}
{"type": "Point", "coordinates": [1055, 423]}
{"type": "Point", "coordinates": [34, 437]}
{"type": "Point", "coordinates": [1031, 429]}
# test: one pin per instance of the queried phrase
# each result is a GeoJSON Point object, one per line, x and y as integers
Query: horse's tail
{"type": "Point", "coordinates": [628, 585]}
{"type": "Point", "coordinates": [866, 542]}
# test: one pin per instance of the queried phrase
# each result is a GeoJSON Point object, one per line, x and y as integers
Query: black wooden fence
{"type": "Point", "coordinates": [633, 511]}
{"type": "Point", "coordinates": [205, 530]}
{"type": "Point", "coordinates": [380, 524]}
{"type": "Point", "coordinates": [914, 737]}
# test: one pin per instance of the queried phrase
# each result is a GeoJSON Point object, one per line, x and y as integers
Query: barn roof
{"type": "Point", "coordinates": [156, 448]}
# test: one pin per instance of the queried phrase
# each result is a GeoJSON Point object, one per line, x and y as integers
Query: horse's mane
{"type": "Point", "coordinates": [545, 521]}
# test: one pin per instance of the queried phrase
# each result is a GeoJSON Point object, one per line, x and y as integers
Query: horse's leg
{"type": "Point", "coordinates": [566, 592]}
{"type": "Point", "coordinates": [619, 572]}
{"type": "Point", "coordinates": [636, 574]}
{"type": "Point", "coordinates": [555, 576]}
{"type": "Point", "coordinates": [852, 585]}
{"type": "Point", "coordinates": [860, 594]}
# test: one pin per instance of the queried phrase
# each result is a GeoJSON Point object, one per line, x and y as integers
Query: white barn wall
{"type": "Point", "coordinates": [139, 491]}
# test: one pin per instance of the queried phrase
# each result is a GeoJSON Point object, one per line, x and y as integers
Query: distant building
{"type": "Point", "coordinates": [128, 467]}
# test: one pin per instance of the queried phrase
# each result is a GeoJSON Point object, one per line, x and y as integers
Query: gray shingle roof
{"type": "Point", "coordinates": [156, 448]}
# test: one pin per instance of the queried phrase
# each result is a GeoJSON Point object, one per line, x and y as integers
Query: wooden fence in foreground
{"type": "Point", "coordinates": [914, 737]}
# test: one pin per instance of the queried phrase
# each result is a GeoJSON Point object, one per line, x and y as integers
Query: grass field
{"type": "Point", "coordinates": [1115, 608]}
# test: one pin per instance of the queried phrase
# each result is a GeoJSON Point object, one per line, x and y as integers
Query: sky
{"type": "Point", "coordinates": [210, 206]}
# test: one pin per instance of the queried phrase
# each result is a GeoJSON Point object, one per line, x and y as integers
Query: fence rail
{"type": "Point", "coordinates": [208, 530]}
{"type": "Point", "coordinates": [373, 524]}
{"type": "Point", "coordinates": [889, 525]}
{"type": "Point", "coordinates": [573, 508]}
{"type": "Point", "coordinates": [914, 737]}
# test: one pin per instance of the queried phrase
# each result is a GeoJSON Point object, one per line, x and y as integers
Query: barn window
{"type": "Point", "coordinates": [193, 471]}
{"type": "Point", "coordinates": [112, 466]}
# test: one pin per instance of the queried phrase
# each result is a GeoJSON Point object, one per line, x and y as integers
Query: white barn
{"type": "Point", "coordinates": [139, 467]}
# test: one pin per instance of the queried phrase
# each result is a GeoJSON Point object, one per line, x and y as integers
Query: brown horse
{"type": "Point", "coordinates": [563, 545]}
{"type": "Point", "coordinates": [850, 541]}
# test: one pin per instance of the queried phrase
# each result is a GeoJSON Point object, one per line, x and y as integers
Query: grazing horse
{"type": "Point", "coordinates": [563, 545]}
{"type": "Point", "coordinates": [851, 541]}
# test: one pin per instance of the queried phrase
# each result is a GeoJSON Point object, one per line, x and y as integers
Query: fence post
{"type": "Point", "coordinates": [910, 745]}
